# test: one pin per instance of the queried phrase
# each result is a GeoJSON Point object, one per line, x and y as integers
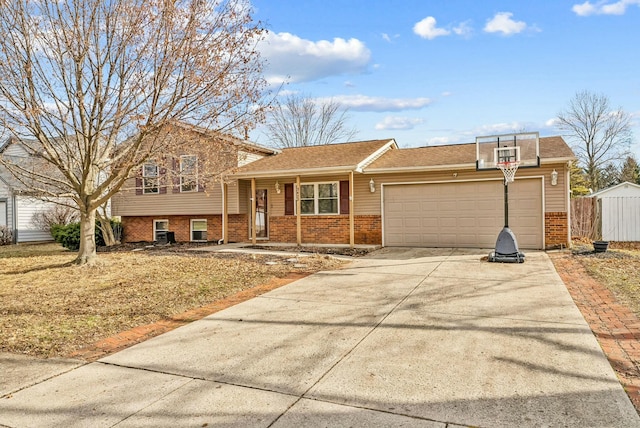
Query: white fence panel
{"type": "Point", "coordinates": [621, 219]}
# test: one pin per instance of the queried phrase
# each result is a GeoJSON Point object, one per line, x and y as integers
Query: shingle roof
{"type": "Point", "coordinates": [458, 154]}
{"type": "Point", "coordinates": [345, 155]}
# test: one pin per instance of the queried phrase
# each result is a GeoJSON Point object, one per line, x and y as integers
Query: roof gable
{"type": "Point", "coordinates": [328, 157]}
{"type": "Point", "coordinates": [458, 155]}
{"type": "Point", "coordinates": [623, 189]}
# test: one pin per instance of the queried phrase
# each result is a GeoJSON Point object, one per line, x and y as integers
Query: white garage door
{"type": "Point", "coordinates": [462, 215]}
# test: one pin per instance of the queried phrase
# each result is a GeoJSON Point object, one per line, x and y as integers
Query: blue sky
{"type": "Point", "coordinates": [437, 72]}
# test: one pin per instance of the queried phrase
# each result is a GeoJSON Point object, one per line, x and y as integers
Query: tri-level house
{"type": "Point", "coordinates": [366, 192]}
{"type": "Point", "coordinates": [180, 196]}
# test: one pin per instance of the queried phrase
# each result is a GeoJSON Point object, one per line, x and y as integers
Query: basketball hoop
{"type": "Point", "coordinates": [509, 170]}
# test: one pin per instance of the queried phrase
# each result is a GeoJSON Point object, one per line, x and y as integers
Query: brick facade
{"type": "Point", "coordinates": [556, 230]}
{"type": "Point", "coordinates": [327, 229]}
{"type": "Point", "coordinates": [140, 229]}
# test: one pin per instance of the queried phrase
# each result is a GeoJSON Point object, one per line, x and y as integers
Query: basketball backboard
{"type": "Point", "coordinates": [523, 148]}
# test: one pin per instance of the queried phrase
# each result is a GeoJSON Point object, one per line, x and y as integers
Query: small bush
{"type": "Point", "coordinates": [6, 236]}
{"type": "Point", "coordinates": [69, 235]}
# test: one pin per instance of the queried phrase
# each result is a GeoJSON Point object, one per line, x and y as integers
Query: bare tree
{"type": "Point", "coordinates": [599, 135]}
{"type": "Point", "coordinates": [87, 85]}
{"type": "Point", "coordinates": [301, 121]}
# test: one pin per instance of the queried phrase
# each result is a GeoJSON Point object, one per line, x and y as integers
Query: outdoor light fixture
{"type": "Point", "coordinates": [372, 186]}
{"type": "Point", "coordinates": [277, 186]}
{"type": "Point", "coordinates": [554, 177]}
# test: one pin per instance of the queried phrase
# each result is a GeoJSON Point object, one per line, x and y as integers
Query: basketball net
{"type": "Point", "coordinates": [509, 170]}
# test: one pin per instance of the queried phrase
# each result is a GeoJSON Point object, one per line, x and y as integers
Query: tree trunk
{"type": "Point", "coordinates": [87, 252]}
{"type": "Point", "coordinates": [104, 223]}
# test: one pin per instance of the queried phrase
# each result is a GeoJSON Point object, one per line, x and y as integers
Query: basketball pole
{"type": "Point", "coordinates": [506, 203]}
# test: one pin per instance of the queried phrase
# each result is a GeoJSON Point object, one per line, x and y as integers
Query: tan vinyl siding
{"type": "Point", "coordinates": [242, 196]}
{"type": "Point", "coordinates": [367, 203]}
{"type": "Point", "coordinates": [127, 203]}
{"type": "Point", "coordinates": [248, 157]}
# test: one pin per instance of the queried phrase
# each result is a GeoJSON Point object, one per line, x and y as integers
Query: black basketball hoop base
{"type": "Point", "coordinates": [506, 248]}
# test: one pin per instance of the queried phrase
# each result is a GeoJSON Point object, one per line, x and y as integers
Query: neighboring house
{"type": "Point", "coordinates": [16, 206]}
{"type": "Point", "coordinates": [619, 208]}
{"type": "Point", "coordinates": [182, 194]}
{"type": "Point", "coordinates": [372, 192]}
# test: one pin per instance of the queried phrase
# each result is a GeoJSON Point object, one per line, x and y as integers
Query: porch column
{"type": "Point", "coordinates": [351, 216]}
{"type": "Point", "coordinates": [225, 213]}
{"type": "Point", "coordinates": [253, 211]}
{"type": "Point", "coordinates": [298, 209]}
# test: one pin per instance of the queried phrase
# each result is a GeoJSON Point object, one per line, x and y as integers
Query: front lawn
{"type": "Point", "coordinates": [616, 269]}
{"type": "Point", "coordinates": [50, 307]}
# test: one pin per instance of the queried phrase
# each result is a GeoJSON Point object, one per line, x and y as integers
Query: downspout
{"type": "Point", "coordinates": [224, 210]}
{"type": "Point", "coordinates": [14, 218]}
{"type": "Point", "coordinates": [351, 214]}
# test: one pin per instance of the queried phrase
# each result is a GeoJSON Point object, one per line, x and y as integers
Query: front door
{"type": "Point", "coordinates": [262, 218]}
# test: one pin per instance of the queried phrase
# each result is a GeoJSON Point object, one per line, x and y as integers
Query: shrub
{"type": "Point", "coordinates": [69, 235]}
{"type": "Point", "coordinates": [6, 236]}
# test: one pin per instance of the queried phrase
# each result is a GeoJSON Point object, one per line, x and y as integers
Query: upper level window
{"type": "Point", "coordinates": [150, 178]}
{"type": "Point", "coordinates": [188, 173]}
{"type": "Point", "coordinates": [319, 198]}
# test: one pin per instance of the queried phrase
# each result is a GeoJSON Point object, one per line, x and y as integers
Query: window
{"type": "Point", "coordinates": [160, 227]}
{"type": "Point", "coordinates": [188, 173]}
{"type": "Point", "coordinates": [198, 230]}
{"type": "Point", "coordinates": [150, 178]}
{"type": "Point", "coordinates": [319, 198]}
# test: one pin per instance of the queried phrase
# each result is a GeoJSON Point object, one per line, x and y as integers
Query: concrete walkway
{"type": "Point", "coordinates": [424, 337]}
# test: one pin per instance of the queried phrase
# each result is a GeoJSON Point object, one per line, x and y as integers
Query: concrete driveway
{"type": "Point", "coordinates": [414, 337]}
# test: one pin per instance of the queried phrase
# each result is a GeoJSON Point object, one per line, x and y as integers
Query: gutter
{"type": "Point", "coordinates": [294, 172]}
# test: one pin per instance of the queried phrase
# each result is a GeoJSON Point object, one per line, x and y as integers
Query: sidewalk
{"type": "Point", "coordinates": [408, 337]}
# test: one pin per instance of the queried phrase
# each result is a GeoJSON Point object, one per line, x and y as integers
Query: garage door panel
{"type": "Point", "coordinates": [468, 214]}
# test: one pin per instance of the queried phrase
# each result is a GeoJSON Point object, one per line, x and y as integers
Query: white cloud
{"type": "Point", "coordinates": [398, 123]}
{"type": "Point", "coordinates": [427, 29]}
{"type": "Point", "coordinates": [440, 141]}
{"type": "Point", "coordinates": [503, 128]}
{"type": "Point", "coordinates": [552, 123]}
{"type": "Point", "coordinates": [389, 38]}
{"type": "Point", "coordinates": [463, 29]}
{"type": "Point", "coordinates": [381, 104]}
{"type": "Point", "coordinates": [603, 8]}
{"type": "Point", "coordinates": [502, 23]}
{"type": "Point", "coordinates": [293, 59]}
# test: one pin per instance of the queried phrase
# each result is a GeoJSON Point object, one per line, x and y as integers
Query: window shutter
{"type": "Point", "coordinates": [139, 183]}
{"type": "Point", "coordinates": [175, 175]}
{"type": "Point", "coordinates": [344, 197]}
{"type": "Point", "coordinates": [288, 199]}
{"type": "Point", "coordinates": [199, 180]}
{"type": "Point", "coordinates": [162, 180]}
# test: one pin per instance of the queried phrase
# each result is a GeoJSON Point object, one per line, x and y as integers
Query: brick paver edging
{"type": "Point", "coordinates": [139, 334]}
{"type": "Point", "coordinates": [614, 325]}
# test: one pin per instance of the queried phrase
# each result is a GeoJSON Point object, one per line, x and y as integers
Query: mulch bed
{"type": "Point", "coordinates": [614, 325]}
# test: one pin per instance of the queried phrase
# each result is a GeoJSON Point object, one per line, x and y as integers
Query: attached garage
{"type": "Point", "coordinates": [462, 214]}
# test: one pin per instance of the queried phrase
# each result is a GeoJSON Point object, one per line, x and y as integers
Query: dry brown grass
{"type": "Point", "coordinates": [619, 271]}
{"type": "Point", "coordinates": [50, 307]}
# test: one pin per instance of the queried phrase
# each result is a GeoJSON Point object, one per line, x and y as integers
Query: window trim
{"type": "Point", "coordinates": [146, 190]}
{"type": "Point", "coordinates": [206, 223]}
{"type": "Point", "coordinates": [193, 176]}
{"type": "Point", "coordinates": [156, 230]}
{"type": "Point", "coordinates": [316, 198]}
